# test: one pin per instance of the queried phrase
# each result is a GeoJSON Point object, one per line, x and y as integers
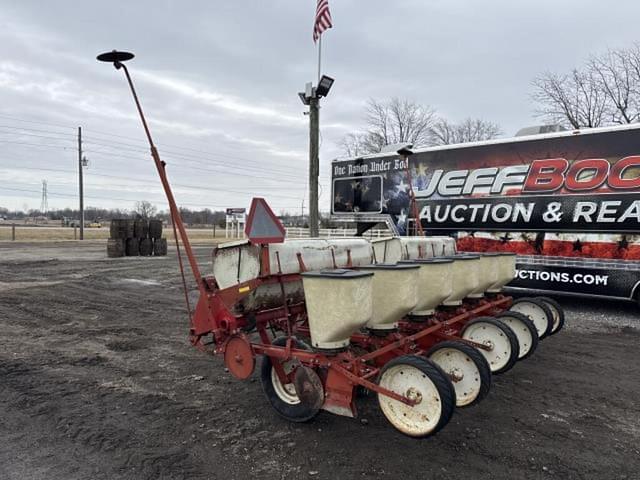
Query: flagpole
{"type": "Point", "coordinates": [319, 56]}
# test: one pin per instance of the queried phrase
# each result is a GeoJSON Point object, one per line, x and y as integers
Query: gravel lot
{"type": "Point", "coordinates": [98, 380]}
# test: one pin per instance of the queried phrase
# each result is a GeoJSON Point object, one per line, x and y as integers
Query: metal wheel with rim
{"type": "Point", "coordinates": [503, 350]}
{"type": "Point", "coordinates": [467, 369]}
{"type": "Point", "coordinates": [538, 313]}
{"type": "Point", "coordinates": [283, 398]}
{"type": "Point", "coordinates": [556, 311]}
{"type": "Point", "coordinates": [524, 329]}
{"type": "Point", "coordinates": [419, 379]}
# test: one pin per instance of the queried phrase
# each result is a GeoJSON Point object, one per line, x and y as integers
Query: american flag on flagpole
{"type": "Point", "coordinates": [323, 19]}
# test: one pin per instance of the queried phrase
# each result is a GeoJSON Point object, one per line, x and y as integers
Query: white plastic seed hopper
{"type": "Point", "coordinates": [489, 273]}
{"type": "Point", "coordinates": [395, 293]}
{"type": "Point", "coordinates": [434, 283]}
{"type": "Point", "coordinates": [339, 302]}
{"type": "Point", "coordinates": [466, 271]}
{"type": "Point", "coordinates": [506, 266]}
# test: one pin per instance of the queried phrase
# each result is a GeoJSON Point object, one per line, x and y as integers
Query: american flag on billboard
{"type": "Point", "coordinates": [323, 19]}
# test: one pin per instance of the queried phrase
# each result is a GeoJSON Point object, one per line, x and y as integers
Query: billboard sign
{"type": "Point", "coordinates": [570, 182]}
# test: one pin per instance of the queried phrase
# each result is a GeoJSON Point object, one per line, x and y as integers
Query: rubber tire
{"type": "Point", "coordinates": [146, 247]}
{"type": "Point", "coordinates": [544, 307]}
{"type": "Point", "coordinates": [128, 228]}
{"type": "Point", "coordinates": [532, 328]}
{"type": "Point", "coordinates": [118, 228]}
{"type": "Point", "coordinates": [115, 248]}
{"type": "Point", "coordinates": [478, 359]}
{"type": "Point", "coordinates": [140, 228]}
{"type": "Point", "coordinates": [554, 304]}
{"type": "Point", "coordinates": [452, 389]}
{"type": "Point", "coordinates": [132, 247]}
{"type": "Point", "coordinates": [155, 229]}
{"type": "Point", "coordinates": [513, 341]}
{"type": "Point", "coordinates": [160, 247]}
{"type": "Point", "coordinates": [439, 379]}
{"type": "Point", "coordinates": [294, 413]}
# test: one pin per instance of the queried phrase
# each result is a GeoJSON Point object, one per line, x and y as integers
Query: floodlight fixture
{"type": "Point", "coordinates": [324, 85]}
{"type": "Point", "coordinates": [303, 98]}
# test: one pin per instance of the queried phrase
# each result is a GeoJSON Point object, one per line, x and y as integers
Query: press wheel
{"type": "Point", "coordinates": [501, 343]}
{"type": "Point", "coordinates": [467, 369]}
{"type": "Point", "coordinates": [556, 311]}
{"type": "Point", "coordinates": [419, 379]}
{"type": "Point", "coordinates": [537, 311]}
{"type": "Point", "coordinates": [524, 329]}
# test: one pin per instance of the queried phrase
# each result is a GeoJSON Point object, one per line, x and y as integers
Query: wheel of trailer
{"type": "Point", "coordinates": [467, 369]}
{"type": "Point", "coordinates": [283, 398]}
{"type": "Point", "coordinates": [502, 344]}
{"type": "Point", "coordinates": [524, 329]}
{"type": "Point", "coordinates": [556, 311]}
{"type": "Point", "coordinates": [538, 313]}
{"type": "Point", "coordinates": [419, 379]}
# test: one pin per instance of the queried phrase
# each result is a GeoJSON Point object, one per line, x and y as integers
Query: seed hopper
{"type": "Point", "coordinates": [408, 319]}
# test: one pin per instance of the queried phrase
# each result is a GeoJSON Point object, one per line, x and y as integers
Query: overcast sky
{"type": "Point", "coordinates": [218, 81]}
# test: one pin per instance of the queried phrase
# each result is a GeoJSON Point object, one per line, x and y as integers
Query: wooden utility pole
{"type": "Point", "coordinates": [314, 163]}
{"type": "Point", "coordinates": [80, 184]}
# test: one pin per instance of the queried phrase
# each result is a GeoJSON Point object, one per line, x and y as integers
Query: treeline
{"type": "Point", "coordinates": [190, 217]}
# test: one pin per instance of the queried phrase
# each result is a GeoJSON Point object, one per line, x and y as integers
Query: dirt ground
{"type": "Point", "coordinates": [98, 380]}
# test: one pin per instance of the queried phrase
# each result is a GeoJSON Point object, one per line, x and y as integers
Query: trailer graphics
{"type": "Point", "coordinates": [569, 195]}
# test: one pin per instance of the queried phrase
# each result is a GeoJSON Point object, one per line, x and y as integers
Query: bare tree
{"type": "Point", "coordinates": [400, 121]}
{"type": "Point", "coordinates": [575, 99]}
{"type": "Point", "coordinates": [396, 121]}
{"type": "Point", "coordinates": [445, 132]}
{"type": "Point", "coordinates": [616, 73]}
{"type": "Point", "coordinates": [145, 209]}
{"type": "Point", "coordinates": [353, 144]}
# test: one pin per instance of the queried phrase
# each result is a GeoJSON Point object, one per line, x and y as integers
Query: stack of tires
{"type": "Point", "coordinates": [134, 238]}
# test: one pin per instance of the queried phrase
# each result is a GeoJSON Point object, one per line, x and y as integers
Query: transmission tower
{"type": "Point", "coordinates": [44, 204]}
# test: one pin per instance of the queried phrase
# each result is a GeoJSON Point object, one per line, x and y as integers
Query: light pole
{"type": "Point", "coordinates": [117, 59]}
{"type": "Point", "coordinates": [311, 97]}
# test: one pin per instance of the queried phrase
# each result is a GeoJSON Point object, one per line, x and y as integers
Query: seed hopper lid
{"type": "Point", "coordinates": [420, 261]}
{"type": "Point", "coordinates": [506, 254]}
{"type": "Point", "coordinates": [337, 274]}
{"type": "Point", "coordinates": [389, 266]}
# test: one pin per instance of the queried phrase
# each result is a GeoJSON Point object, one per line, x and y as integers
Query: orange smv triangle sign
{"type": "Point", "coordinates": [262, 224]}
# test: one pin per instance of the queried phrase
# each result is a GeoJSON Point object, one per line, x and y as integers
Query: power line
{"type": "Point", "coordinates": [11, 127]}
{"type": "Point", "coordinates": [140, 148]}
{"type": "Point", "coordinates": [147, 180]}
{"type": "Point", "coordinates": [93, 197]}
{"type": "Point", "coordinates": [133, 147]}
{"type": "Point", "coordinates": [105, 154]}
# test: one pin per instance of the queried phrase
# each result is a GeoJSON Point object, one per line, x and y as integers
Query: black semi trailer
{"type": "Point", "coordinates": [567, 203]}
